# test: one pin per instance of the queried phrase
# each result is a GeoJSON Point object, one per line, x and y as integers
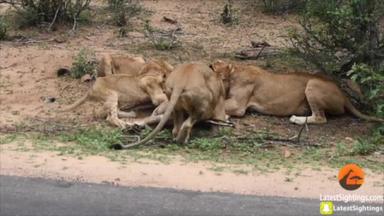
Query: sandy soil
{"type": "Point", "coordinates": [28, 75]}
{"type": "Point", "coordinates": [180, 175]}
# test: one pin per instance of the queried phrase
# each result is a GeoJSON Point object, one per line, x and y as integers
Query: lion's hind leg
{"type": "Point", "coordinates": [111, 105]}
{"type": "Point", "coordinates": [317, 103]}
{"type": "Point", "coordinates": [185, 130]}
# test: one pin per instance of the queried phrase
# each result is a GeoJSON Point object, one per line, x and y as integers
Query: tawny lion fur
{"type": "Point", "coordinates": [195, 93]}
{"type": "Point", "coordinates": [291, 94]}
{"type": "Point", "coordinates": [127, 90]}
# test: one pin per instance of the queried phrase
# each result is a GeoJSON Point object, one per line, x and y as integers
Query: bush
{"type": "Point", "coordinates": [3, 29]}
{"type": "Point", "coordinates": [343, 39]}
{"type": "Point", "coordinates": [372, 83]}
{"type": "Point", "coordinates": [123, 10]}
{"type": "Point", "coordinates": [36, 12]}
{"type": "Point", "coordinates": [84, 63]}
{"type": "Point", "coordinates": [282, 6]}
{"type": "Point", "coordinates": [161, 40]}
{"type": "Point", "coordinates": [228, 16]}
{"type": "Point", "coordinates": [27, 17]}
{"type": "Point", "coordinates": [337, 34]}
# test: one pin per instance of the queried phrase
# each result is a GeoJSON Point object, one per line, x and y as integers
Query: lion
{"type": "Point", "coordinates": [118, 64]}
{"type": "Point", "coordinates": [194, 92]}
{"type": "Point", "coordinates": [128, 91]}
{"type": "Point", "coordinates": [292, 94]}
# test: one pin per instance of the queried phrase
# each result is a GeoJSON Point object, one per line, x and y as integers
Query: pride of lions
{"type": "Point", "coordinates": [193, 92]}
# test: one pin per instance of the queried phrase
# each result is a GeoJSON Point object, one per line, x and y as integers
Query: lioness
{"type": "Point", "coordinates": [195, 91]}
{"type": "Point", "coordinates": [117, 64]}
{"type": "Point", "coordinates": [251, 87]}
{"type": "Point", "coordinates": [124, 90]}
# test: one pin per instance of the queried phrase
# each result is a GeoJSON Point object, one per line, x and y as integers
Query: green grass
{"type": "Point", "coordinates": [5, 139]}
{"type": "Point", "coordinates": [3, 28]}
{"type": "Point", "coordinates": [222, 147]}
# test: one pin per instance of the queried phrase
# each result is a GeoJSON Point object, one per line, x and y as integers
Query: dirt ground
{"type": "Point", "coordinates": [305, 182]}
{"type": "Point", "coordinates": [28, 68]}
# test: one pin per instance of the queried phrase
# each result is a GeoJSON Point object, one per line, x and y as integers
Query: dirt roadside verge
{"type": "Point", "coordinates": [304, 182]}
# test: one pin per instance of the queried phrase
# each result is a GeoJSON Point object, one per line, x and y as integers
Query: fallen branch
{"type": "Point", "coordinates": [257, 50]}
{"type": "Point", "coordinates": [255, 53]}
{"type": "Point", "coordinates": [169, 20]}
{"type": "Point", "coordinates": [305, 125]}
{"type": "Point", "coordinates": [259, 44]}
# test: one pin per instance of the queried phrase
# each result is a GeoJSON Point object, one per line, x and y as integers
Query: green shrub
{"type": "Point", "coordinates": [343, 39]}
{"type": "Point", "coordinates": [28, 16]}
{"type": "Point", "coordinates": [337, 34]}
{"type": "Point", "coordinates": [3, 29]}
{"type": "Point", "coordinates": [36, 12]}
{"type": "Point", "coordinates": [161, 40]}
{"type": "Point", "coordinates": [282, 6]}
{"type": "Point", "coordinates": [229, 14]}
{"type": "Point", "coordinates": [123, 10]}
{"type": "Point", "coordinates": [372, 83]}
{"type": "Point", "coordinates": [83, 63]}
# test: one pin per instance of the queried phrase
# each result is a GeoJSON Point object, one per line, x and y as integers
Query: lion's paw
{"type": "Point", "coordinates": [297, 120]}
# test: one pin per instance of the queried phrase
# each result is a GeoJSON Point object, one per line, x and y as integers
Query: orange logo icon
{"type": "Point", "coordinates": [351, 177]}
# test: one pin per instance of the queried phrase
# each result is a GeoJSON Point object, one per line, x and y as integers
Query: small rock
{"type": "Point", "coordinates": [63, 72]}
{"type": "Point", "coordinates": [169, 20]}
{"type": "Point", "coordinates": [287, 153]}
{"type": "Point", "coordinates": [60, 39]}
{"type": "Point", "coordinates": [136, 34]}
{"type": "Point", "coordinates": [349, 139]}
{"type": "Point", "coordinates": [86, 78]}
{"type": "Point", "coordinates": [48, 99]}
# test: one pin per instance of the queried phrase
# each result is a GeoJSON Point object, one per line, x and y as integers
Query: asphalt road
{"type": "Point", "coordinates": [31, 196]}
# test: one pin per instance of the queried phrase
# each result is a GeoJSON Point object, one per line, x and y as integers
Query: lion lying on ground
{"type": "Point", "coordinates": [127, 90]}
{"type": "Point", "coordinates": [118, 64]}
{"type": "Point", "coordinates": [293, 94]}
{"type": "Point", "coordinates": [195, 93]}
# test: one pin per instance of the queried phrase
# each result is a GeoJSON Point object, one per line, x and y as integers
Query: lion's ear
{"type": "Point", "coordinates": [212, 66]}
{"type": "Point", "coordinates": [231, 68]}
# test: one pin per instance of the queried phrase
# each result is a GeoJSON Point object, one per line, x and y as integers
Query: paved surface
{"type": "Point", "coordinates": [31, 196]}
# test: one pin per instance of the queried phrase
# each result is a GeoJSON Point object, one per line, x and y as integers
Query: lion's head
{"type": "Point", "coordinates": [152, 79]}
{"type": "Point", "coordinates": [224, 71]}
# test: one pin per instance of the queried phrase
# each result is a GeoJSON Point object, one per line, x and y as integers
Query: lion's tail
{"type": "Point", "coordinates": [172, 102]}
{"type": "Point", "coordinates": [76, 104]}
{"type": "Point", "coordinates": [358, 114]}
